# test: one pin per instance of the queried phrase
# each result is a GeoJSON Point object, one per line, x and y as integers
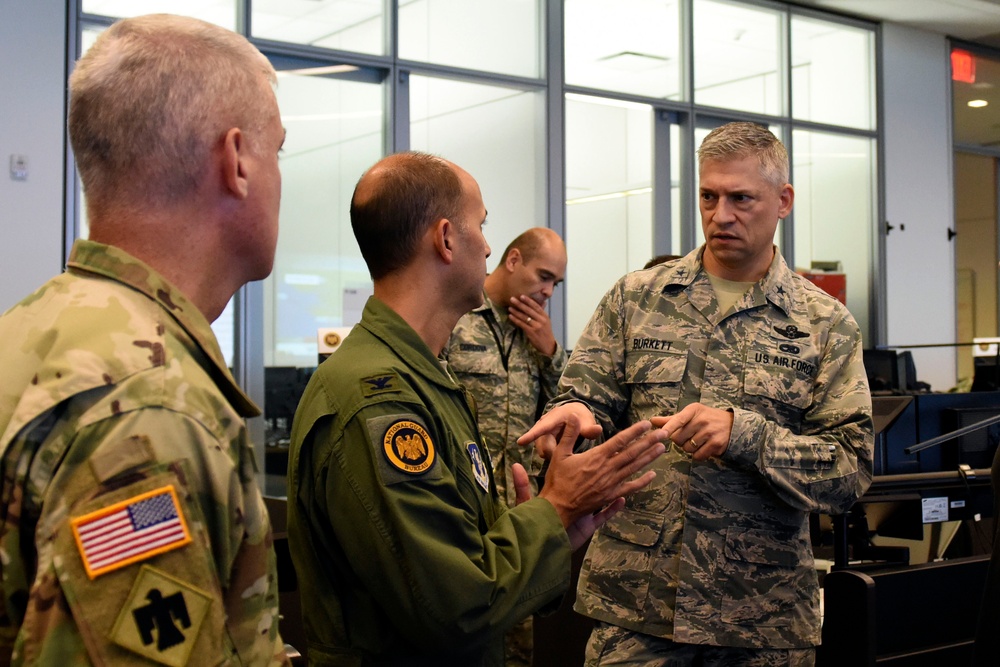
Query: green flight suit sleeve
{"type": "Point", "coordinates": [439, 567]}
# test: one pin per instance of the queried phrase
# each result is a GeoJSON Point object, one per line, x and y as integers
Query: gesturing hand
{"type": "Point", "coordinates": [588, 488]}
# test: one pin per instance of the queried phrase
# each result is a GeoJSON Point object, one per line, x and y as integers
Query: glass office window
{"type": "Point", "coordinates": [833, 73]}
{"type": "Point", "coordinates": [834, 210]}
{"type": "Point", "coordinates": [497, 135]}
{"type": "Point", "coordinates": [975, 86]}
{"type": "Point", "coordinates": [87, 38]}
{"type": "Point", "coordinates": [502, 36]}
{"type": "Point", "coordinates": [334, 122]}
{"type": "Point", "coordinates": [631, 46]}
{"type": "Point", "coordinates": [738, 56]}
{"type": "Point", "coordinates": [219, 12]}
{"type": "Point", "coordinates": [609, 201]}
{"type": "Point", "coordinates": [346, 25]}
{"type": "Point", "coordinates": [677, 216]}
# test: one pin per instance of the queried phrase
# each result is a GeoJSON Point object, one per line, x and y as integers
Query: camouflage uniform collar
{"type": "Point", "coordinates": [499, 313]}
{"type": "Point", "coordinates": [775, 286]}
{"type": "Point", "coordinates": [487, 304]}
{"type": "Point", "coordinates": [385, 324]}
{"type": "Point", "coordinates": [118, 265]}
{"type": "Point", "coordinates": [777, 283]}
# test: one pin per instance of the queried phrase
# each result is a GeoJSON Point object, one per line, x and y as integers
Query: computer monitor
{"type": "Point", "coordinates": [906, 371]}
{"type": "Point", "coordinates": [882, 368]}
{"type": "Point", "coordinates": [283, 387]}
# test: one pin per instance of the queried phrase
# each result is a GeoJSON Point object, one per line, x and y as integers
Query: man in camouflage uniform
{"type": "Point", "coordinates": [758, 377]}
{"type": "Point", "coordinates": [505, 353]}
{"type": "Point", "coordinates": [405, 553]}
{"type": "Point", "coordinates": [132, 530]}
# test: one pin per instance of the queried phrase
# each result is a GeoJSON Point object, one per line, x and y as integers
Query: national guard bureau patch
{"type": "Point", "coordinates": [408, 447]}
{"type": "Point", "coordinates": [404, 450]}
{"type": "Point", "coordinates": [130, 531]}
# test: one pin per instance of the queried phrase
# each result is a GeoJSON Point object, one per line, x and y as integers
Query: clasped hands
{"type": "Point", "coordinates": [589, 487]}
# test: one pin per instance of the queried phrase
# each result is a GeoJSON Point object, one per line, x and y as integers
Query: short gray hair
{"type": "Point", "coordinates": [734, 141]}
{"type": "Point", "coordinates": [151, 99]}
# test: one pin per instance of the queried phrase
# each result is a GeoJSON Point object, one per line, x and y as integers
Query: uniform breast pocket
{"type": "Point", "coordinates": [468, 359]}
{"type": "Point", "coordinates": [778, 385]}
{"type": "Point", "coordinates": [654, 377]}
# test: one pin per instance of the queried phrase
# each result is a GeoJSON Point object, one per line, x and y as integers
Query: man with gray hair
{"type": "Point", "coordinates": [132, 529]}
{"type": "Point", "coordinates": [758, 377]}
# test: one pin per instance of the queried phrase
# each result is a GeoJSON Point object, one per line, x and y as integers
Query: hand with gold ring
{"type": "Point", "coordinates": [528, 315]}
{"type": "Point", "coordinates": [700, 431]}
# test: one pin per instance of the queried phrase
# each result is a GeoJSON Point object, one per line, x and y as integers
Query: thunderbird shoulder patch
{"type": "Point", "coordinates": [130, 531]}
{"type": "Point", "coordinates": [408, 447]}
{"type": "Point", "coordinates": [161, 618]}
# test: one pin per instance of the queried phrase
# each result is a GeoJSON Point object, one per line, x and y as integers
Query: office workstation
{"type": "Point", "coordinates": [909, 560]}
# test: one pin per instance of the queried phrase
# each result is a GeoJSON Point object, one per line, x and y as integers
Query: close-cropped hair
{"type": "Point", "coordinates": [394, 204]}
{"type": "Point", "coordinates": [734, 141]}
{"type": "Point", "coordinates": [528, 243]}
{"type": "Point", "coordinates": [154, 95]}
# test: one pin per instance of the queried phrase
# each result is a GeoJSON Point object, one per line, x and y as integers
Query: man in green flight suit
{"type": "Point", "coordinates": [406, 554]}
{"type": "Point", "coordinates": [132, 529]}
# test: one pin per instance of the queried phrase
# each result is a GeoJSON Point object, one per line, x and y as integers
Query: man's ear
{"type": "Point", "coordinates": [513, 259]}
{"type": "Point", "coordinates": [234, 163]}
{"type": "Point", "coordinates": [785, 200]}
{"type": "Point", "coordinates": [443, 232]}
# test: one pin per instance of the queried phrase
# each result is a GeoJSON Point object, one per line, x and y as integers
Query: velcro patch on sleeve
{"type": "Point", "coordinates": [130, 531]}
{"type": "Point", "coordinates": [161, 618]}
{"type": "Point", "coordinates": [380, 384]}
{"type": "Point", "coordinates": [404, 447]}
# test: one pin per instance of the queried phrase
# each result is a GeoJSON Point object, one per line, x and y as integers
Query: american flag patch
{"type": "Point", "coordinates": [130, 531]}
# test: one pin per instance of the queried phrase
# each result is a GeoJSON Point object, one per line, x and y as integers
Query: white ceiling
{"type": "Point", "coordinates": [972, 20]}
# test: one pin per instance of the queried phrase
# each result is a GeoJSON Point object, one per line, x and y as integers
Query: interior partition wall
{"type": "Point", "coordinates": [579, 115]}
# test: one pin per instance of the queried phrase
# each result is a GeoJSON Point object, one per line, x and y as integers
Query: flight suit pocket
{"type": "Point", "coordinates": [765, 576]}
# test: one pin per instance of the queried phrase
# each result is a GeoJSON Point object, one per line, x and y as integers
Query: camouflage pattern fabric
{"type": "Point", "coordinates": [718, 552]}
{"type": "Point", "coordinates": [519, 644]}
{"type": "Point", "coordinates": [510, 381]}
{"type": "Point", "coordinates": [611, 645]}
{"type": "Point", "coordinates": [405, 554]}
{"type": "Point", "coordinates": [115, 389]}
